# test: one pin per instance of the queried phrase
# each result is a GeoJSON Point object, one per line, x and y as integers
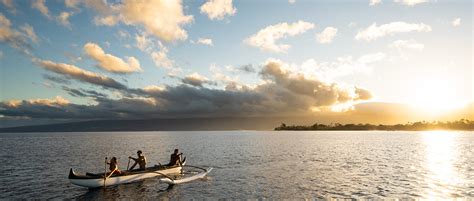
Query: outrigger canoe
{"type": "Point", "coordinates": [97, 180]}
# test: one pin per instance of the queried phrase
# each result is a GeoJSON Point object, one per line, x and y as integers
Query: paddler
{"type": "Point", "coordinates": [113, 166]}
{"type": "Point", "coordinates": [140, 160]}
{"type": "Point", "coordinates": [175, 158]}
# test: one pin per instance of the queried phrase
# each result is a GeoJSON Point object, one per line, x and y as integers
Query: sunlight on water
{"type": "Point", "coordinates": [440, 154]}
{"type": "Point", "coordinates": [367, 165]}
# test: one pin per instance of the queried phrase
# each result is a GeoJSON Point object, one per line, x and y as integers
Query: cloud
{"type": "Point", "coordinates": [48, 109]}
{"type": "Point", "coordinates": [58, 101]}
{"type": "Point", "coordinates": [195, 79]}
{"type": "Point", "coordinates": [100, 6]}
{"type": "Point", "coordinates": [83, 93]}
{"type": "Point", "coordinates": [104, 109]}
{"type": "Point", "coordinates": [327, 35]}
{"type": "Point", "coordinates": [341, 67]}
{"type": "Point", "coordinates": [291, 1]}
{"type": "Point", "coordinates": [228, 76]}
{"type": "Point", "coordinates": [373, 31]}
{"type": "Point", "coordinates": [10, 5]}
{"type": "Point", "coordinates": [63, 18]}
{"type": "Point", "coordinates": [374, 2]}
{"type": "Point", "coordinates": [456, 22]}
{"type": "Point", "coordinates": [71, 3]}
{"type": "Point", "coordinates": [57, 79]}
{"type": "Point", "coordinates": [303, 93]}
{"type": "Point", "coordinates": [110, 62]}
{"type": "Point", "coordinates": [157, 51]}
{"type": "Point", "coordinates": [15, 38]}
{"type": "Point", "coordinates": [123, 34]}
{"type": "Point", "coordinates": [218, 74]}
{"type": "Point", "coordinates": [5, 24]}
{"type": "Point", "coordinates": [41, 7]}
{"type": "Point", "coordinates": [148, 108]}
{"type": "Point", "coordinates": [205, 41]}
{"type": "Point", "coordinates": [248, 68]}
{"type": "Point", "coordinates": [161, 18]}
{"type": "Point", "coordinates": [160, 58]}
{"type": "Point", "coordinates": [267, 38]}
{"type": "Point", "coordinates": [30, 32]}
{"type": "Point", "coordinates": [401, 45]}
{"type": "Point", "coordinates": [144, 43]}
{"type": "Point", "coordinates": [109, 20]}
{"type": "Point", "coordinates": [74, 92]}
{"type": "Point", "coordinates": [283, 90]}
{"type": "Point", "coordinates": [218, 9]}
{"type": "Point", "coordinates": [153, 89]}
{"type": "Point", "coordinates": [410, 2]}
{"type": "Point", "coordinates": [77, 73]}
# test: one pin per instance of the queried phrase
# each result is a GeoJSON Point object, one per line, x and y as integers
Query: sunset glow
{"type": "Point", "coordinates": [357, 61]}
{"type": "Point", "coordinates": [435, 95]}
{"type": "Point", "coordinates": [440, 152]}
{"type": "Point", "coordinates": [236, 99]}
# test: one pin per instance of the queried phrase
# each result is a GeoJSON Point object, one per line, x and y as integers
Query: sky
{"type": "Point", "coordinates": [135, 59]}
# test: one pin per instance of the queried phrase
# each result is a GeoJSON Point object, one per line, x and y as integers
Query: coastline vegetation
{"type": "Point", "coordinates": [462, 124]}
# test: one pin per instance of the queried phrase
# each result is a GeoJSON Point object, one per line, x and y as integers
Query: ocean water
{"type": "Point", "coordinates": [247, 164]}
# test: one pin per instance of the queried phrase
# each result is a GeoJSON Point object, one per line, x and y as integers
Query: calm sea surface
{"type": "Point", "coordinates": [248, 164]}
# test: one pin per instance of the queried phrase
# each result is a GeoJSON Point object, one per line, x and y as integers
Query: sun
{"type": "Point", "coordinates": [435, 96]}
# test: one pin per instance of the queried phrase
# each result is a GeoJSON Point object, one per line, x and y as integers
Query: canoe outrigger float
{"type": "Point", "coordinates": [165, 172]}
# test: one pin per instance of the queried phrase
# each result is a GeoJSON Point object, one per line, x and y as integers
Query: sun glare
{"type": "Point", "coordinates": [440, 154]}
{"type": "Point", "coordinates": [435, 95]}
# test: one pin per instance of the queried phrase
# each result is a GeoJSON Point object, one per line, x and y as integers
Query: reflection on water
{"type": "Point", "coordinates": [440, 153]}
{"type": "Point", "coordinates": [139, 190]}
{"type": "Point", "coordinates": [248, 164]}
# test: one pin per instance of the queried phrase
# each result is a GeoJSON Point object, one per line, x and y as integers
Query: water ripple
{"type": "Point", "coordinates": [248, 164]}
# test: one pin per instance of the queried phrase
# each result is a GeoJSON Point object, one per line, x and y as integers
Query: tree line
{"type": "Point", "coordinates": [462, 124]}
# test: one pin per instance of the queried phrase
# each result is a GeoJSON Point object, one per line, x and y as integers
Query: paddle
{"type": "Point", "coordinates": [111, 173]}
{"type": "Point", "coordinates": [105, 171]}
{"type": "Point", "coordinates": [128, 162]}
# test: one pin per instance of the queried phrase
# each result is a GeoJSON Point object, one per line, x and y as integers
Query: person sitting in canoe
{"type": "Point", "coordinates": [140, 160]}
{"type": "Point", "coordinates": [113, 166]}
{"type": "Point", "coordinates": [175, 158]}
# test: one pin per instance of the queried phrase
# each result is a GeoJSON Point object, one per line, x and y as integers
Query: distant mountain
{"type": "Point", "coordinates": [371, 113]}
{"type": "Point", "coordinates": [230, 123]}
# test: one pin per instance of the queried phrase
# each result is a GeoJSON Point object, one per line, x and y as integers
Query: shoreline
{"type": "Point", "coordinates": [459, 125]}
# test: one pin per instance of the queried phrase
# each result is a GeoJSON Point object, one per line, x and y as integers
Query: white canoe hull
{"type": "Point", "coordinates": [116, 180]}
